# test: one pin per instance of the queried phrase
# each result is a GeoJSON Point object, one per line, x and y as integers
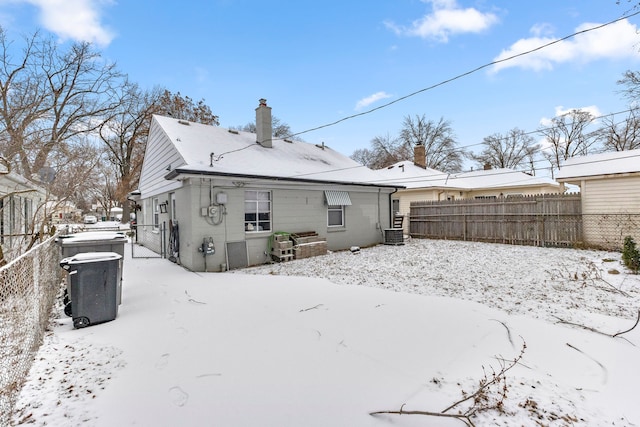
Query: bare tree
{"type": "Point", "coordinates": [631, 82]}
{"type": "Point", "coordinates": [183, 107]}
{"type": "Point", "coordinates": [385, 150]}
{"type": "Point", "coordinates": [438, 139]}
{"type": "Point", "coordinates": [76, 171]}
{"type": "Point", "coordinates": [364, 156]}
{"type": "Point", "coordinates": [125, 136]}
{"type": "Point", "coordinates": [621, 136]}
{"type": "Point", "coordinates": [515, 150]}
{"type": "Point", "coordinates": [50, 97]}
{"type": "Point", "coordinates": [567, 137]}
{"type": "Point", "coordinates": [279, 128]}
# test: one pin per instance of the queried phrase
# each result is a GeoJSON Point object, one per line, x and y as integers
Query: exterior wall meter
{"type": "Point", "coordinates": [207, 247]}
{"type": "Point", "coordinates": [221, 198]}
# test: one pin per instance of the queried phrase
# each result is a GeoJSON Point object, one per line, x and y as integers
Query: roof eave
{"type": "Point", "coordinates": [176, 173]}
{"type": "Point", "coordinates": [599, 176]}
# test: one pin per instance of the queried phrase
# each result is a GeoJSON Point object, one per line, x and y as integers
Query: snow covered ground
{"type": "Point", "coordinates": [413, 327]}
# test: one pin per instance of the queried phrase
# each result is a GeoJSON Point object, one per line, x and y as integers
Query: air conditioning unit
{"type": "Point", "coordinates": [393, 236]}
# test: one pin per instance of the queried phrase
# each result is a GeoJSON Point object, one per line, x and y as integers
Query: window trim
{"type": "Point", "coordinates": [254, 226]}
{"type": "Point", "coordinates": [155, 209]}
{"type": "Point", "coordinates": [333, 209]}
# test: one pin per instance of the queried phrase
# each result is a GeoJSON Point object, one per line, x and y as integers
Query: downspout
{"type": "Point", "coordinates": [395, 190]}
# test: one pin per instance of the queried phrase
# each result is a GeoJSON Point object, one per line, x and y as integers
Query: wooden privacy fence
{"type": "Point", "coordinates": [541, 220]}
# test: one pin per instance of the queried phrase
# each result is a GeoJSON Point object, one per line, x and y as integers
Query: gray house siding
{"type": "Point", "coordinates": [179, 167]}
{"type": "Point", "coordinates": [293, 210]}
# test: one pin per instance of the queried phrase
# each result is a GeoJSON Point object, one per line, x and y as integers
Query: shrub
{"type": "Point", "coordinates": [631, 255]}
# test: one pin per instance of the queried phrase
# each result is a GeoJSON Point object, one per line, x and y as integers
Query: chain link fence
{"type": "Point", "coordinates": [607, 231]}
{"type": "Point", "coordinates": [149, 241]}
{"type": "Point", "coordinates": [28, 289]}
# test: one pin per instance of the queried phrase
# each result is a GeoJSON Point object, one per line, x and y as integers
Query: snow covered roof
{"type": "Point", "coordinates": [214, 150]}
{"type": "Point", "coordinates": [406, 173]}
{"type": "Point", "coordinates": [503, 177]}
{"type": "Point", "coordinates": [617, 162]}
{"type": "Point", "coordinates": [11, 181]}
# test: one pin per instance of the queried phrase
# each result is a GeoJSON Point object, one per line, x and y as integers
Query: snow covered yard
{"type": "Point", "coordinates": [266, 346]}
{"type": "Point", "coordinates": [539, 282]}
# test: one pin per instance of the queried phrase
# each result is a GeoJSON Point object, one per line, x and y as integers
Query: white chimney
{"type": "Point", "coordinates": [264, 132]}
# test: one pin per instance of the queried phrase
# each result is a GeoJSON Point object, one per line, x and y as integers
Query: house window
{"type": "Point", "coordinates": [12, 215]}
{"type": "Point", "coordinates": [336, 201]}
{"type": "Point", "coordinates": [156, 214]}
{"type": "Point", "coordinates": [172, 206]}
{"type": "Point", "coordinates": [257, 211]}
{"type": "Point", "coordinates": [335, 216]}
{"type": "Point", "coordinates": [28, 212]}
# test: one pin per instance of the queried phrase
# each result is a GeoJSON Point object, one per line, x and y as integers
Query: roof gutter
{"type": "Point", "coordinates": [175, 173]}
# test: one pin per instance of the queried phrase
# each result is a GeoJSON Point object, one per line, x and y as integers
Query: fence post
{"type": "Point", "coordinates": [464, 227]}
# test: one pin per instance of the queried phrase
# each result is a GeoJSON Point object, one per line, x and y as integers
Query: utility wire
{"type": "Point", "coordinates": [459, 76]}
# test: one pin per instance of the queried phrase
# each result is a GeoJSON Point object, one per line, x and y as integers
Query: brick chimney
{"type": "Point", "coordinates": [420, 156]}
{"type": "Point", "coordinates": [264, 132]}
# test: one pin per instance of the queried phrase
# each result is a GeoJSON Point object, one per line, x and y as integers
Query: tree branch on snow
{"type": "Point", "coordinates": [490, 394]}
{"type": "Point", "coordinates": [598, 276]}
{"type": "Point", "coordinates": [507, 328]}
{"type": "Point", "coordinates": [465, 419]}
{"type": "Point", "coordinates": [592, 274]}
{"type": "Point", "coordinates": [190, 299]}
{"type": "Point", "coordinates": [310, 308]}
{"type": "Point", "coordinates": [588, 328]}
{"type": "Point", "coordinates": [604, 369]}
{"type": "Point", "coordinates": [630, 329]}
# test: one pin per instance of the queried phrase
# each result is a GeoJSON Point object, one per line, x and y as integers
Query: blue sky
{"type": "Point", "coordinates": [319, 62]}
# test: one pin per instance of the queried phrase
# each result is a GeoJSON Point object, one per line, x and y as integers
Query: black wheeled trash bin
{"type": "Point", "coordinates": [93, 279]}
{"type": "Point", "coordinates": [93, 241]}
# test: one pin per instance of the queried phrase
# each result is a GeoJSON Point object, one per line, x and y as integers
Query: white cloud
{"type": "Point", "coordinates": [365, 102]}
{"type": "Point", "coordinates": [615, 41]}
{"type": "Point", "coordinates": [561, 111]}
{"type": "Point", "coordinates": [74, 19]}
{"type": "Point", "coordinates": [446, 19]}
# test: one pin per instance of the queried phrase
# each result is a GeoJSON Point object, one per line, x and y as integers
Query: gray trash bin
{"type": "Point", "coordinates": [93, 279]}
{"type": "Point", "coordinates": [94, 241]}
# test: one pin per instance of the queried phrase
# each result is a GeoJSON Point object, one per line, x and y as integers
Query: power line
{"type": "Point", "coordinates": [459, 76]}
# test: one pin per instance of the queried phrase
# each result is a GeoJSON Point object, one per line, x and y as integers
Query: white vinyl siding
{"type": "Point", "coordinates": [160, 157]}
{"type": "Point", "coordinates": [610, 208]}
{"type": "Point", "coordinates": [612, 195]}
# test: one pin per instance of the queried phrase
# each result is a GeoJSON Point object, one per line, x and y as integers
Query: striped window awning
{"type": "Point", "coordinates": [337, 198]}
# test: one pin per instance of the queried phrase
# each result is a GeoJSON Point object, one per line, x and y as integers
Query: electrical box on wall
{"type": "Point", "coordinates": [204, 211]}
{"type": "Point", "coordinates": [221, 198]}
{"type": "Point", "coordinates": [213, 210]}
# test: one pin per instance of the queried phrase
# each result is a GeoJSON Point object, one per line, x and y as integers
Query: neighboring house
{"type": "Point", "coordinates": [20, 200]}
{"type": "Point", "coordinates": [425, 184]}
{"type": "Point", "coordinates": [610, 188]}
{"type": "Point", "coordinates": [232, 192]}
{"type": "Point", "coordinates": [63, 212]}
